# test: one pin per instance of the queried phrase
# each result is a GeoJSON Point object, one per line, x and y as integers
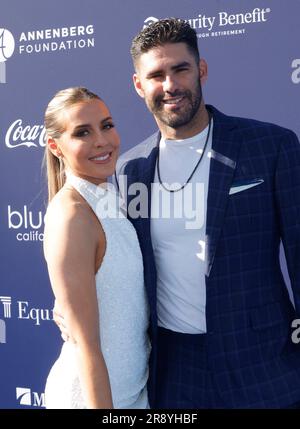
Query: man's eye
{"type": "Point", "coordinates": [156, 76]}
{"type": "Point", "coordinates": [108, 126]}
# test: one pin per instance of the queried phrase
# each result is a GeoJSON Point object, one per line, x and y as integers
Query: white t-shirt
{"type": "Point", "coordinates": [178, 225]}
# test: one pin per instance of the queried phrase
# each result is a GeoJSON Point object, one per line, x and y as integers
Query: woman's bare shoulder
{"type": "Point", "coordinates": [69, 219]}
{"type": "Point", "coordinates": [67, 205]}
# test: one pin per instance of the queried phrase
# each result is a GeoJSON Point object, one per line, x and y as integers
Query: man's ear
{"type": "Point", "coordinates": [53, 147]}
{"type": "Point", "coordinates": [138, 85]}
{"type": "Point", "coordinates": [203, 71]}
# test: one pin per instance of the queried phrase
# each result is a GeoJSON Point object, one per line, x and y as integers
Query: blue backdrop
{"type": "Point", "coordinates": [253, 53]}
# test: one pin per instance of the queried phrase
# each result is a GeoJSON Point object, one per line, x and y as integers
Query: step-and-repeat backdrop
{"type": "Point", "coordinates": [253, 54]}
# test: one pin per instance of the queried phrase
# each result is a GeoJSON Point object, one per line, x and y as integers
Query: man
{"type": "Point", "coordinates": [220, 311]}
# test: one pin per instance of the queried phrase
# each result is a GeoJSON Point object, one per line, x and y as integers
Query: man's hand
{"type": "Point", "coordinates": [60, 321]}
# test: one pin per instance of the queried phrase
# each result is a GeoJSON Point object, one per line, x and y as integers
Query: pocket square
{"type": "Point", "coordinates": [243, 185]}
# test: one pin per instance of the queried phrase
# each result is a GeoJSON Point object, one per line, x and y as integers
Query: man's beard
{"type": "Point", "coordinates": [184, 115]}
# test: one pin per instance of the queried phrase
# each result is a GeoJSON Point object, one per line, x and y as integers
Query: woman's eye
{"type": "Point", "coordinates": [81, 133]}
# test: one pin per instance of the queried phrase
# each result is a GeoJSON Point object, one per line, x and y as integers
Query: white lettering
{"type": "Point", "coordinates": [64, 32]}
{"type": "Point", "coordinates": [38, 400]}
{"type": "Point", "coordinates": [54, 33]}
{"type": "Point", "coordinates": [35, 314]}
{"type": "Point", "coordinates": [23, 37]}
{"type": "Point", "coordinates": [17, 135]}
{"type": "Point", "coordinates": [24, 219]}
{"type": "Point", "coordinates": [10, 215]}
{"type": "Point", "coordinates": [257, 15]}
{"type": "Point", "coordinates": [30, 236]}
{"type": "Point", "coordinates": [22, 309]}
{"type": "Point", "coordinates": [89, 29]}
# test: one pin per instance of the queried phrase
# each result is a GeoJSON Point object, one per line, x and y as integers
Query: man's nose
{"type": "Point", "coordinates": [169, 84]}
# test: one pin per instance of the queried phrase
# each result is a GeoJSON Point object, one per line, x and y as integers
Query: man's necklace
{"type": "Point", "coordinates": [194, 170]}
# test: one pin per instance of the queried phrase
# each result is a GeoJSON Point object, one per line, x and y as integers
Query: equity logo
{"type": "Point", "coordinates": [6, 306]}
{"type": "Point", "coordinates": [6, 302]}
{"type": "Point", "coordinates": [25, 311]}
{"type": "Point", "coordinates": [296, 70]}
{"type": "Point", "coordinates": [2, 332]}
{"type": "Point", "coordinates": [26, 397]}
{"type": "Point", "coordinates": [7, 47]}
{"type": "Point", "coordinates": [38, 315]}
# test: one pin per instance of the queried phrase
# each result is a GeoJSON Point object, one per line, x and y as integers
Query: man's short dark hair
{"type": "Point", "coordinates": [170, 30]}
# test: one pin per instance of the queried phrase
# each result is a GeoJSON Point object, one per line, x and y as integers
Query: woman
{"type": "Point", "coordinates": [94, 262]}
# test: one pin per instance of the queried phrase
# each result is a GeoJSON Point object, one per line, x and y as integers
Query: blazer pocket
{"type": "Point", "coordinates": [243, 185]}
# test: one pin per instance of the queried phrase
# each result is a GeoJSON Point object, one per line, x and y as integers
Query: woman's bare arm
{"type": "Point", "coordinates": [71, 242]}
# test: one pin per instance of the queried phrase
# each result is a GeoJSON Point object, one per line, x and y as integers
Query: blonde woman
{"type": "Point", "coordinates": [94, 262]}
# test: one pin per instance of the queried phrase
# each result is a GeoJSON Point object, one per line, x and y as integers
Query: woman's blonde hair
{"type": "Point", "coordinates": [55, 168]}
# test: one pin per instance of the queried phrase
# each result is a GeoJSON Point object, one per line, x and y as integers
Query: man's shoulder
{"type": "Point", "coordinates": [256, 136]}
{"type": "Point", "coordinates": [253, 126]}
{"type": "Point", "coordinates": [141, 150]}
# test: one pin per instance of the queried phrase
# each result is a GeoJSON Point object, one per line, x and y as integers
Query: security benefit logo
{"type": "Point", "coordinates": [25, 396]}
{"type": "Point", "coordinates": [223, 23]}
{"type": "Point", "coordinates": [295, 76]}
{"type": "Point", "coordinates": [7, 47]}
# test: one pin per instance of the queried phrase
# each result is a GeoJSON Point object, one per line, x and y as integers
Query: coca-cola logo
{"type": "Point", "coordinates": [25, 135]}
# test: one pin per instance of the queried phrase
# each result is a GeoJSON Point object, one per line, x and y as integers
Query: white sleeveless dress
{"type": "Point", "coordinates": [123, 313]}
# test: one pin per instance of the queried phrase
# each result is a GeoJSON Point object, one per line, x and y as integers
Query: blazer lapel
{"type": "Point", "coordinates": [225, 149]}
{"type": "Point", "coordinates": [143, 172]}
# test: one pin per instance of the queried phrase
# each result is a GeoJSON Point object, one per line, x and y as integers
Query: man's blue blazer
{"type": "Point", "coordinates": [253, 204]}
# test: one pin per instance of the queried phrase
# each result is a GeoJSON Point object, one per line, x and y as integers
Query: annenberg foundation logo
{"type": "Point", "coordinates": [44, 41]}
{"type": "Point", "coordinates": [224, 23]}
{"type": "Point", "coordinates": [7, 44]}
{"type": "Point", "coordinates": [7, 47]}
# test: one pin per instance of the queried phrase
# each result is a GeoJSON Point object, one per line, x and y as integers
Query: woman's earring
{"type": "Point", "coordinates": [61, 166]}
